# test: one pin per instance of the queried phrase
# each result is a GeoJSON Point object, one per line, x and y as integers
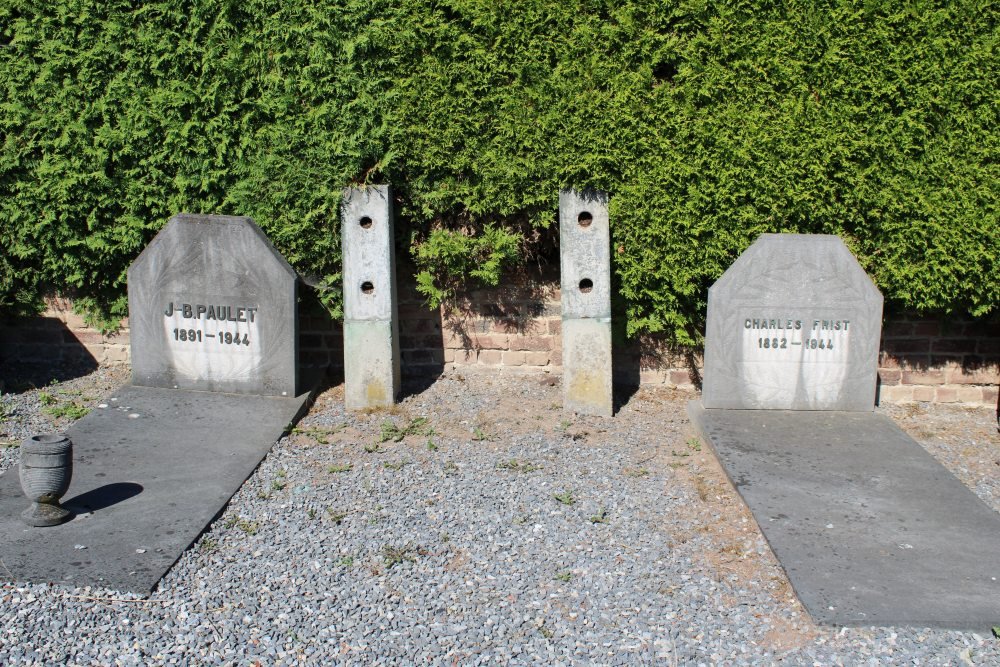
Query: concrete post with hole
{"type": "Point", "coordinates": [371, 327]}
{"type": "Point", "coordinates": [585, 267]}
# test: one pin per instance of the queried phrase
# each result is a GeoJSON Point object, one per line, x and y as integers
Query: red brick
{"type": "Point", "coordinates": [555, 357]}
{"type": "Point", "coordinates": [946, 395]}
{"type": "Point", "coordinates": [991, 396]}
{"type": "Point", "coordinates": [555, 326]}
{"type": "Point", "coordinates": [988, 345]}
{"type": "Point", "coordinates": [890, 377]}
{"type": "Point", "coordinates": [513, 358]}
{"type": "Point", "coordinates": [897, 329]}
{"type": "Point", "coordinates": [923, 394]}
{"type": "Point", "coordinates": [954, 345]}
{"type": "Point", "coordinates": [929, 376]}
{"type": "Point", "coordinates": [886, 360]}
{"type": "Point", "coordinates": [680, 378]}
{"type": "Point", "coordinates": [530, 343]}
{"type": "Point", "coordinates": [970, 395]}
{"type": "Point", "coordinates": [536, 358]}
{"type": "Point", "coordinates": [929, 328]}
{"type": "Point", "coordinates": [490, 357]}
{"type": "Point", "coordinates": [903, 345]}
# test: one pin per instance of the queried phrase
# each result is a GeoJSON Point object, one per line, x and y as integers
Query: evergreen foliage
{"type": "Point", "coordinates": [709, 122]}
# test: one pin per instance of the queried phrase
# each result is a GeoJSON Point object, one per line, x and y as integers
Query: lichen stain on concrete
{"type": "Point", "coordinates": [586, 388]}
{"type": "Point", "coordinates": [375, 393]}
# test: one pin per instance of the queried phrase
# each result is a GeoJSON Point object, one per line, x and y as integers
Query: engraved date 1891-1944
{"type": "Point", "coordinates": [223, 337]}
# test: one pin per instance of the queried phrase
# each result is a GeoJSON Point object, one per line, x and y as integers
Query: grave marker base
{"type": "Point", "coordinates": [869, 527]}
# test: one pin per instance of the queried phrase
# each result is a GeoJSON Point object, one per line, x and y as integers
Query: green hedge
{"type": "Point", "coordinates": [710, 122]}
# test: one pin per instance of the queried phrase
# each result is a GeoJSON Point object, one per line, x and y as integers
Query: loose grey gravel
{"type": "Point", "coordinates": [498, 531]}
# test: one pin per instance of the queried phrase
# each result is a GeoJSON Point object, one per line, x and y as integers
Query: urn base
{"type": "Point", "coordinates": [42, 514]}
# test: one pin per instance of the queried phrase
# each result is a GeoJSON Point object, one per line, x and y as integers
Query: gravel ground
{"type": "Point", "coordinates": [475, 523]}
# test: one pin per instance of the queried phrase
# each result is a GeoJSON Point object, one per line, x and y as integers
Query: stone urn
{"type": "Point", "coordinates": [45, 471]}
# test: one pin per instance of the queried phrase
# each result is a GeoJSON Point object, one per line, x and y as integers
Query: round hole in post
{"type": "Point", "coordinates": [367, 287]}
{"type": "Point", "coordinates": [586, 285]}
{"type": "Point", "coordinates": [585, 218]}
{"type": "Point", "coordinates": [365, 222]}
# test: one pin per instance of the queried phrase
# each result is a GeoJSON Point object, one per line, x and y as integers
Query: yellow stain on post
{"type": "Point", "coordinates": [375, 393]}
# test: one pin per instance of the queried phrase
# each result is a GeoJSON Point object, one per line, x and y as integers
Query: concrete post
{"type": "Point", "coordinates": [585, 261]}
{"type": "Point", "coordinates": [371, 327]}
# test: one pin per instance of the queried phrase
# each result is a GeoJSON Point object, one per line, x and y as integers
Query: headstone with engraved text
{"type": "Point", "coordinates": [793, 324]}
{"type": "Point", "coordinates": [212, 307]}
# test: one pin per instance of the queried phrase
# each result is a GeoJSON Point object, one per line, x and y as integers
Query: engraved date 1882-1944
{"type": "Point", "coordinates": [821, 336]}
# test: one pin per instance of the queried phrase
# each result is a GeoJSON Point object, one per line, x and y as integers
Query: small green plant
{"type": "Point", "coordinates": [398, 465]}
{"type": "Point", "coordinates": [478, 435]}
{"type": "Point", "coordinates": [450, 468]}
{"type": "Point", "coordinates": [521, 520]}
{"type": "Point", "coordinates": [373, 448]}
{"type": "Point", "coordinates": [566, 497]}
{"type": "Point", "coordinates": [694, 444]}
{"type": "Point", "coordinates": [996, 631]}
{"type": "Point", "coordinates": [445, 538]}
{"type": "Point", "coordinates": [311, 513]}
{"type": "Point", "coordinates": [336, 516]}
{"type": "Point", "coordinates": [264, 495]}
{"type": "Point", "coordinates": [635, 472]}
{"type": "Point", "coordinates": [277, 485]}
{"type": "Point", "coordinates": [600, 517]}
{"type": "Point", "coordinates": [563, 425]}
{"type": "Point", "coordinates": [45, 398]}
{"type": "Point", "coordinates": [393, 555]}
{"type": "Point", "coordinates": [546, 632]}
{"type": "Point", "coordinates": [564, 576]}
{"type": "Point", "coordinates": [344, 467]}
{"type": "Point", "coordinates": [320, 435]}
{"type": "Point", "coordinates": [208, 545]}
{"type": "Point", "coordinates": [417, 426]}
{"type": "Point", "coordinates": [516, 465]}
{"type": "Point", "coordinates": [346, 561]}
{"type": "Point", "coordinates": [68, 410]}
{"type": "Point", "coordinates": [431, 447]}
{"type": "Point", "coordinates": [248, 527]}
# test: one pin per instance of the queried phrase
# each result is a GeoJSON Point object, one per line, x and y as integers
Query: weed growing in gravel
{"type": "Point", "coordinates": [521, 520]}
{"type": "Point", "coordinates": [393, 556]}
{"type": "Point", "coordinates": [418, 426]}
{"type": "Point", "coordinates": [208, 545]}
{"type": "Point", "coordinates": [601, 516]}
{"type": "Point", "coordinates": [563, 425]}
{"type": "Point", "coordinates": [566, 497]}
{"type": "Point", "coordinates": [478, 435]}
{"type": "Point", "coordinates": [335, 516]}
{"type": "Point", "coordinates": [248, 527]}
{"type": "Point", "coordinates": [450, 468]}
{"type": "Point", "coordinates": [311, 513]}
{"type": "Point", "coordinates": [515, 465]}
{"type": "Point", "coordinates": [398, 465]}
{"type": "Point", "coordinates": [68, 410]}
{"type": "Point", "coordinates": [694, 444]}
{"type": "Point", "coordinates": [5, 409]}
{"type": "Point", "coordinates": [445, 538]}
{"type": "Point", "coordinates": [635, 472]}
{"type": "Point", "coordinates": [45, 398]}
{"type": "Point", "coordinates": [277, 485]}
{"type": "Point", "coordinates": [320, 435]}
{"type": "Point", "coordinates": [264, 495]}
{"type": "Point", "coordinates": [545, 632]}
{"type": "Point", "coordinates": [346, 467]}
{"type": "Point", "coordinates": [564, 576]}
{"type": "Point", "coordinates": [347, 561]}
{"type": "Point", "coordinates": [431, 447]}
{"type": "Point", "coordinates": [373, 448]}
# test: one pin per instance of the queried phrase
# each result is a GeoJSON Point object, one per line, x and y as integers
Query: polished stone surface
{"type": "Point", "coordinates": [151, 471]}
{"type": "Point", "coordinates": [869, 527]}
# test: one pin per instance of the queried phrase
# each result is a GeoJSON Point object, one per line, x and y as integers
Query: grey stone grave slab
{"type": "Point", "coordinates": [144, 487]}
{"type": "Point", "coordinates": [869, 527]}
{"type": "Point", "coordinates": [212, 307]}
{"type": "Point", "coordinates": [794, 324]}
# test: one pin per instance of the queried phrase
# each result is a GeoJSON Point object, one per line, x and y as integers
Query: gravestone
{"type": "Point", "coordinates": [212, 307]}
{"type": "Point", "coordinates": [585, 281]}
{"type": "Point", "coordinates": [371, 326]}
{"type": "Point", "coordinates": [869, 527]}
{"type": "Point", "coordinates": [793, 324]}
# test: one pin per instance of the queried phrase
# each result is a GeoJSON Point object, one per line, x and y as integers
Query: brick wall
{"type": "Point", "coordinates": [516, 328]}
